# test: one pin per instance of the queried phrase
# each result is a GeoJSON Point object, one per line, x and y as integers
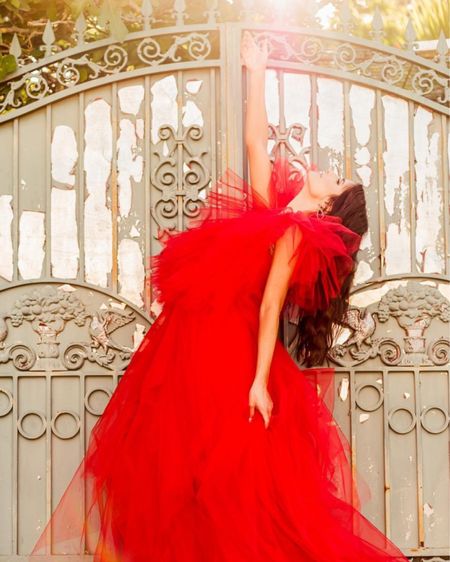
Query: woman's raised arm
{"type": "Point", "coordinates": [256, 124]}
{"type": "Point", "coordinates": [274, 295]}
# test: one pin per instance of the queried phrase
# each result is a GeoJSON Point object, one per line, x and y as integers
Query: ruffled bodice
{"type": "Point", "coordinates": [226, 252]}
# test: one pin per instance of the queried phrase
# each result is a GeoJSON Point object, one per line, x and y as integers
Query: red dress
{"type": "Point", "coordinates": [174, 470]}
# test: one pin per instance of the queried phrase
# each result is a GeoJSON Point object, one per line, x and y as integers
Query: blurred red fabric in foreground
{"type": "Point", "coordinates": [174, 471]}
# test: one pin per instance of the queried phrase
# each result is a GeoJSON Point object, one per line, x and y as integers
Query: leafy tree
{"type": "Point", "coordinates": [428, 17]}
{"type": "Point", "coordinates": [27, 19]}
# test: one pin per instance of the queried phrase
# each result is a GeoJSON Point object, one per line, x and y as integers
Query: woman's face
{"type": "Point", "coordinates": [324, 184]}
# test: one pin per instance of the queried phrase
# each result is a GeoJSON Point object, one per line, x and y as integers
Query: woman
{"type": "Point", "coordinates": [215, 446]}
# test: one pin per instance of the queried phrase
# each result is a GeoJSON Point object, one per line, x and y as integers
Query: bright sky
{"type": "Point", "coordinates": [324, 14]}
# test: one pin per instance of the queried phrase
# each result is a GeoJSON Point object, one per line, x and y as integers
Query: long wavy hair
{"type": "Point", "coordinates": [315, 331]}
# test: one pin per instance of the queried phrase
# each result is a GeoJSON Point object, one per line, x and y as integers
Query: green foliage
{"type": "Point", "coordinates": [429, 17]}
{"type": "Point", "coordinates": [27, 18]}
{"type": "Point", "coordinates": [7, 65]}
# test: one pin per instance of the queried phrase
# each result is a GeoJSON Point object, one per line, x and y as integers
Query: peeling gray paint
{"type": "Point", "coordinates": [193, 86]}
{"type": "Point", "coordinates": [362, 102]}
{"type": "Point", "coordinates": [140, 128]}
{"type": "Point", "coordinates": [330, 133]}
{"type": "Point", "coordinates": [64, 155]}
{"type": "Point", "coordinates": [192, 114]}
{"type": "Point", "coordinates": [396, 187]}
{"type": "Point", "coordinates": [363, 270]}
{"type": "Point", "coordinates": [164, 109]}
{"type": "Point", "coordinates": [64, 234]}
{"type": "Point", "coordinates": [31, 251]}
{"type": "Point", "coordinates": [6, 254]}
{"type": "Point", "coordinates": [129, 164]}
{"type": "Point", "coordinates": [429, 247]}
{"type": "Point", "coordinates": [97, 215]}
{"type": "Point", "coordinates": [131, 271]}
{"type": "Point", "coordinates": [130, 98]}
{"type": "Point", "coordinates": [297, 103]}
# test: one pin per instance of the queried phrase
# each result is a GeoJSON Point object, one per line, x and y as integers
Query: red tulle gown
{"type": "Point", "coordinates": [174, 470]}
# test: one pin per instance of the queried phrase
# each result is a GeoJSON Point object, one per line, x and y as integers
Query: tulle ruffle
{"type": "Point", "coordinates": [226, 248]}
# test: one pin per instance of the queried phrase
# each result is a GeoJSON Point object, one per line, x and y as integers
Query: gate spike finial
{"type": "Point", "coordinates": [147, 14]}
{"type": "Point", "coordinates": [15, 49]}
{"type": "Point", "coordinates": [247, 10]}
{"type": "Point", "coordinates": [377, 31]}
{"type": "Point", "coordinates": [212, 12]}
{"type": "Point", "coordinates": [179, 11]}
{"type": "Point", "coordinates": [49, 38]}
{"type": "Point", "coordinates": [346, 18]}
{"type": "Point", "coordinates": [410, 36]}
{"type": "Point", "coordinates": [310, 9]}
{"type": "Point", "coordinates": [103, 17]}
{"type": "Point", "coordinates": [80, 28]}
{"type": "Point", "coordinates": [441, 49]}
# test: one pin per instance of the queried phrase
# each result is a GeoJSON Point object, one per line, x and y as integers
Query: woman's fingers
{"type": "Point", "coordinates": [267, 414]}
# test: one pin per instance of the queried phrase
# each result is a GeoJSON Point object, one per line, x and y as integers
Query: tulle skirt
{"type": "Point", "coordinates": [175, 472]}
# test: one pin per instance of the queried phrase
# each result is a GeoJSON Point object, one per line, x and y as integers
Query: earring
{"type": "Point", "coordinates": [320, 211]}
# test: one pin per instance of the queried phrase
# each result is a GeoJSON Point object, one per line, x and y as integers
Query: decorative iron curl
{"type": "Point", "coordinates": [392, 71]}
{"type": "Point", "coordinates": [438, 351]}
{"type": "Point", "coordinates": [36, 86]}
{"type": "Point", "coordinates": [345, 55]}
{"type": "Point", "coordinates": [199, 47]}
{"type": "Point", "coordinates": [22, 356]}
{"type": "Point", "coordinates": [74, 356]}
{"type": "Point", "coordinates": [149, 51]}
{"type": "Point", "coordinates": [115, 57]}
{"type": "Point", "coordinates": [389, 351]}
{"type": "Point", "coordinates": [424, 82]}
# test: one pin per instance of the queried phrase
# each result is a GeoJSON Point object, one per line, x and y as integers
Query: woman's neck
{"type": "Point", "coordinates": [304, 202]}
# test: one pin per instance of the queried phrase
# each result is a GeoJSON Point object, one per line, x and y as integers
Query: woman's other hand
{"type": "Point", "coordinates": [259, 398]}
{"type": "Point", "coordinates": [252, 56]}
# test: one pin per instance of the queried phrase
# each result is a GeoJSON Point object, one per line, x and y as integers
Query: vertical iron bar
{"type": "Point", "coordinates": [387, 457]}
{"type": "Point", "coordinates": [179, 193]}
{"type": "Point", "coordinates": [15, 202]}
{"type": "Point", "coordinates": [48, 191]}
{"type": "Point", "coordinates": [48, 449]}
{"type": "Point", "coordinates": [113, 284]}
{"type": "Point", "coordinates": [445, 187]}
{"type": "Point", "coordinates": [419, 457]}
{"type": "Point", "coordinates": [313, 120]}
{"type": "Point", "coordinates": [15, 464]}
{"type": "Point", "coordinates": [348, 163]}
{"type": "Point", "coordinates": [147, 195]}
{"type": "Point", "coordinates": [380, 183]}
{"type": "Point", "coordinates": [412, 187]}
{"type": "Point", "coordinates": [81, 187]}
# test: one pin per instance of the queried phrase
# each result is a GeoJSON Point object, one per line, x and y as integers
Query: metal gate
{"type": "Point", "coordinates": [104, 143]}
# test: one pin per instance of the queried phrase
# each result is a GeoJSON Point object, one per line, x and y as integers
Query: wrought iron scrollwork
{"type": "Point", "coordinates": [413, 307]}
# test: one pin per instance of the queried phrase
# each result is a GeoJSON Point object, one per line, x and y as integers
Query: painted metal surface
{"type": "Point", "coordinates": [102, 153]}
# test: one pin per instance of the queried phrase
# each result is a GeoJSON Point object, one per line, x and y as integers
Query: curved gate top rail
{"type": "Point", "coordinates": [143, 47]}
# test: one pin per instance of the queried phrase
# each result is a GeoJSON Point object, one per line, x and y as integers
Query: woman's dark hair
{"type": "Point", "coordinates": [314, 332]}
